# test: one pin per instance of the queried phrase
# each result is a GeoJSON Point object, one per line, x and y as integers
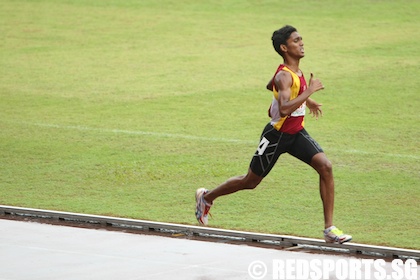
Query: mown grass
{"type": "Point", "coordinates": [124, 108]}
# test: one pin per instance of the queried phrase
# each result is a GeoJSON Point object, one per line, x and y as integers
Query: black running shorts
{"type": "Point", "coordinates": [273, 143]}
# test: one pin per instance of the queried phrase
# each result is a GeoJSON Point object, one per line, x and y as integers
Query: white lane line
{"type": "Point", "coordinates": [201, 138]}
{"type": "Point", "coordinates": [147, 133]}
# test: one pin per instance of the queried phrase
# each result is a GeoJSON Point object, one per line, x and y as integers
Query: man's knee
{"type": "Point", "coordinates": [326, 167]}
{"type": "Point", "coordinates": [251, 181]}
{"type": "Point", "coordinates": [322, 164]}
{"type": "Point", "coordinates": [251, 185]}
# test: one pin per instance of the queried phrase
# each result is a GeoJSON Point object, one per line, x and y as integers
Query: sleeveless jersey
{"type": "Point", "coordinates": [294, 122]}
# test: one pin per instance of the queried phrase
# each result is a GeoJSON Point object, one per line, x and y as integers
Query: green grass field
{"type": "Point", "coordinates": [124, 108]}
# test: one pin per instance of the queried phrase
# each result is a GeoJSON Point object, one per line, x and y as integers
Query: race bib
{"type": "Point", "coordinates": [299, 111]}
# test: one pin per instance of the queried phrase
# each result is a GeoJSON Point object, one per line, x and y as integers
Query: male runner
{"type": "Point", "coordinates": [285, 133]}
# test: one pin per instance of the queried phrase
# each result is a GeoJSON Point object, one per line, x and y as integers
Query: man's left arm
{"type": "Point", "coordinates": [314, 108]}
{"type": "Point", "coordinates": [269, 86]}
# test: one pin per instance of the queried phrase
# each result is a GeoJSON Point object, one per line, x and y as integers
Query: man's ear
{"type": "Point", "coordinates": [283, 48]}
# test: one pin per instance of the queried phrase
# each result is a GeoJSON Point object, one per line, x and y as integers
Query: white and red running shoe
{"type": "Point", "coordinates": [202, 208]}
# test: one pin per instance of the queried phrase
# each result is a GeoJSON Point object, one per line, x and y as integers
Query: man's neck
{"type": "Point", "coordinates": [292, 65]}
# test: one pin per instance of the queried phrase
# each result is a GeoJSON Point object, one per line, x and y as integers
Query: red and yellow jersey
{"type": "Point", "coordinates": [294, 122]}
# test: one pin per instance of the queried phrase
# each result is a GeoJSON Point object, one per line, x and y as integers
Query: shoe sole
{"type": "Point", "coordinates": [338, 242]}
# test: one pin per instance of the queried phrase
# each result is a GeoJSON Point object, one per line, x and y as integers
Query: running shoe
{"type": "Point", "coordinates": [202, 208]}
{"type": "Point", "coordinates": [334, 235]}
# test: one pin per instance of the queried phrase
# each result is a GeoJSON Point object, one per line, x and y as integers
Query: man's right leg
{"type": "Point", "coordinates": [204, 198]}
{"type": "Point", "coordinates": [234, 184]}
{"type": "Point", "coordinates": [262, 162]}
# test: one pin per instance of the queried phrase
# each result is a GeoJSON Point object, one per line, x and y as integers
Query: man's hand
{"type": "Point", "coordinates": [314, 108]}
{"type": "Point", "coordinates": [315, 84]}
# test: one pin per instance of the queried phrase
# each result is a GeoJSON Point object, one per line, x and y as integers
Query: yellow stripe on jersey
{"type": "Point", "coordinates": [294, 93]}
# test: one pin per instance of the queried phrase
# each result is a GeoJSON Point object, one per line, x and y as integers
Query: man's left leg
{"type": "Point", "coordinates": [326, 186]}
{"type": "Point", "coordinates": [308, 150]}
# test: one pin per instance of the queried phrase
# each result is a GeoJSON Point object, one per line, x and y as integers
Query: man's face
{"type": "Point", "coordinates": [295, 45]}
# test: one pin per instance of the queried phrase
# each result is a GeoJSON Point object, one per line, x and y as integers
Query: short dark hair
{"type": "Point", "coordinates": [281, 36]}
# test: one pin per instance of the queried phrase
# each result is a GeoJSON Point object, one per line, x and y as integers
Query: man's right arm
{"type": "Point", "coordinates": [283, 81]}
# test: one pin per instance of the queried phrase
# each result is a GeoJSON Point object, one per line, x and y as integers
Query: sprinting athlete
{"type": "Point", "coordinates": [285, 133]}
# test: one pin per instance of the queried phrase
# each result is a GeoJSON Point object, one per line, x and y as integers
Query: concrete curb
{"type": "Point", "coordinates": [207, 233]}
